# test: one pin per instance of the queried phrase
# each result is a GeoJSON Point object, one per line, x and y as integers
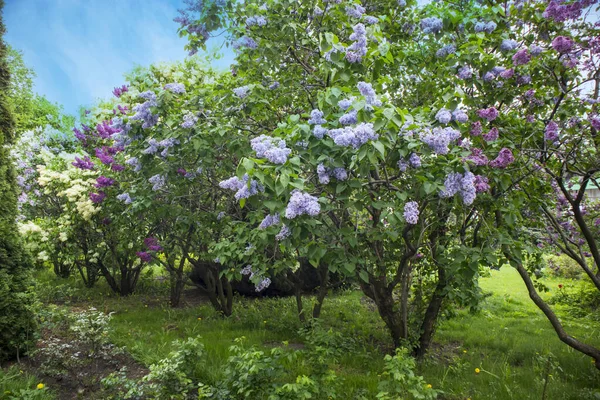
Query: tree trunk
{"type": "Point", "coordinates": [431, 315]}
{"type": "Point", "coordinates": [387, 309]}
{"type": "Point", "coordinates": [323, 289]}
{"type": "Point", "coordinates": [177, 285]}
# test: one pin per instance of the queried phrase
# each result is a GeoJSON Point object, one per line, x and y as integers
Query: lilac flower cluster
{"type": "Point", "coordinates": [481, 184]}
{"type": "Point", "coordinates": [97, 198]}
{"type": "Point", "coordinates": [489, 113]}
{"type": "Point", "coordinates": [302, 203]}
{"type": "Point", "coordinates": [220, 215]}
{"type": "Point", "coordinates": [504, 159]}
{"type": "Point", "coordinates": [507, 74]}
{"type": "Point", "coordinates": [284, 233]}
{"type": "Point", "coordinates": [319, 131]}
{"type": "Point", "coordinates": [274, 85]}
{"type": "Point", "coordinates": [242, 91]}
{"type": "Point", "coordinates": [324, 174]}
{"type": "Point", "coordinates": [247, 270]}
{"type": "Point", "coordinates": [562, 44]}
{"type": "Point", "coordinates": [135, 163]}
{"type": "Point", "coordinates": [143, 112]}
{"type": "Point", "coordinates": [440, 139]}
{"type": "Point", "coordinates": [465, 72]}
{"type": "Point", "coordinates": [355, 11]}
{"type": "Point", "coordinates": [103, 181]}
{"type": "Point", "coordinates": [508, 45]}
{"type": "Point", "coordinates": [477, 157]}
{"type": "Point", "coordinates": [245, 41]}
{"type": "Point", "coordinates": [491, 136]}
{"type": "Point", "coordinates": [521, 57]}
{"type": "Point", "coordinates": [262, 285]}
{"type": "Point", "coordinates": [354, 137]}
{"type": "Point", "coordinates": [151, 244]}
{"type": "Point", "coordinates": [85, 163]}
{"type": "Point", "coordinates": [158, 182]}
{"type": "Point", "coordinates": [144, 256]}
{"type": "Point", "coordinates": [189, 120]}
{"type": "Point", "coordinates": [243, 190]}
{"type": "Point", "coordinates": [460, 115]}
{"type": "Point", "coordinates": [463, 184]}
{"type": "Point", "coordinates": [257, 20]}
{"type": "Point", "coordinates": [268, 221]}
{"type": "Point", "coordinates": [125, 198]}
{"type": "Point", "coordinates": [444, 116]}
{"type": "Point", "coordinates": [105, 130]}
{"type": "Point", "coordinates": [369, 19]}
{"type": "Point", "coordinates": [345, 104]}
{"type": "Point", "coordinates": [272, 149]}
{"type": "Point", "coordinates": [535, 50]}
{"type": "Point", "coordinates": [350, 118]}
{"type": "Point", "coordinates": [446, 51]}
{"type": "Point", "coordinates": [487, 27]}
{"type": "Point", "coordinates": [316, 117]}
{"type": "Point", "coordinates": [366, 89]}
{"type": "Point", "coordinates": [431, 25]}
{"type": "Point", "coordinates": [105, 155]}
{"type": "Point", "coordinates": [174, 87]}
{"type": "Point", "coordinates": [118, 91]}
{"type": "Point", "coordinates": [411, 212]}
{"type": "Point", "coordinates": [561, 12]}
{"type": "Point", "coordinates": [358, 49]}
{"type": "Point", "coordinates": [551, 132]}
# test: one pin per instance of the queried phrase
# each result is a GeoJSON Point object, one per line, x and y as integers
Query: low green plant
{"type": "Point", "coordinates": [399, 380]}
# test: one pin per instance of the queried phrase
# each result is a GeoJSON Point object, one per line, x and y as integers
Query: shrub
{"type": "Point", "coordinates": [564, 266]}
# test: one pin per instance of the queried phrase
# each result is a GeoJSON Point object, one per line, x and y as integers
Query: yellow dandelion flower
{"type": "Point", "coordinates": [429, 386]}
{"type": "Point", "coordinates": [464, 351]}
{"type": "Point", "coordinates": [477, 370]}
{"type": "Point", "coordinates": [40, 386]}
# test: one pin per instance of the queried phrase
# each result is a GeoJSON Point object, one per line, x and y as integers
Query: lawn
{"type": "Point", "coordinates": [508, 341]}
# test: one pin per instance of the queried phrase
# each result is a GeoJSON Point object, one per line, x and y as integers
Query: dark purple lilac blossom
{"type": "Point", "coordinates": [521, 57]}
{"type": "Point", "coordinates": [551, 132]}
{"type": "Point", "coordinates": [481, 184]}
{"type": "Point", "coordinates": [144, 256]}
{"type": "Point", "coordinates": [491, 136]}
{"type": "Point", "coordinates": [302, 204]}
{"type": "Point", "coordinates": [103, 181]}
{"type": "Point", "coordinates": [505, 158]}
{"type": "Point", "coordinates": [85, 163]}
{"type": "Point", "coordinates": [118, 92]}
{"type": "Point", "coordinates": [489, 113]}
{"type": "Point", "coordinates": [97, 198]}
{"type": "Point", "coordinates": [507, 74]}
{"type": "Point", "coordinates": [562, 44]}
{"type": "Point", "coordinates": [151, 244]}
{"type": "Point", "coordinates": [104, 156]}
{"type": "Point", "coordinates": [477, 157]}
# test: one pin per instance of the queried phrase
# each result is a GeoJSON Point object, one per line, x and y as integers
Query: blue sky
{"type": "Point", "coordinates": [80, 49]}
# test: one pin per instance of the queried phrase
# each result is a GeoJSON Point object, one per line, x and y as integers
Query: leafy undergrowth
{"type": "Point", "coordinates": [508, 350]}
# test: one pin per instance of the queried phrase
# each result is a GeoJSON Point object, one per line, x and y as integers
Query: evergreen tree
{"type": "Point", "coordinates": [16, 318]}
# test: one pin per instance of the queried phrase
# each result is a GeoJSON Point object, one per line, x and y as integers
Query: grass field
{"type": "Point", "coordinates": [509, 341]}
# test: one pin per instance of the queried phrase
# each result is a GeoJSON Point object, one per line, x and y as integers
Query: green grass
{"type": "Point", "coordinates": [17, 384]}
{"type": "Point", "coordinates": [505, 340]}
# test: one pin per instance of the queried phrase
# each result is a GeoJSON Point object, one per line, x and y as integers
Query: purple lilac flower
{"type": "Point", "coordinates": [262, 285]}
{"type": "Point", "coordinates": [125, 198]}
{"type": "Point", "coordinates": [257, 20]}
{"type": "Point", "coordinates": [562, 44]}
{"type": "Point", "coordinates": [349, 118]}
{"type": "Point", "coordinates": [268, 221]}
{"type": "Point", "coordinates": [355, 11]}
{"type": "Point", "coordinates": [105, 130]}
{"type": "Point", "coordinates": [97, 197]}
{"type": "Point", "coordinates": [440, 138]}
{"type": "Point", "coordinates": [241, 92]}
{"type": "Point", "coordinates": [508, 45]}
{"type": "Point", "coordinates": [103, 181]}
{"type": "Point", "coordinates": [302, 203]}
{"type": "Point", "coordinates": [446, 51]}
{"type": "Point", "coordinates": [118, 92]}
{"type": "Point", "coordinates": [151, 244]}
{"type": "Point", "coordinates": [489, 113]}
{"type": "Point", "coordinates": [535, 50]}
{"type": "Point", "coordinates": [340, 174]}
{"type": "Point", "coordinates": [523, 80]}
{"type": "Point", "coordinates": [477, 157]}
{"type": "Point", "coordinates": [85, 163]}
{"type": "Point", "coordinates": [504, 158]}
{"type": "Point", "coordinates": [158, 182]}
{"type": "Point", "coordinates": [143, 111]}
{"type": "Point", "coordinates": [481, 184]}
{"type": "Point", "coordinates": [521, 57]}
{"type": "Point", "coordinates": [443, 116]}
{"type": "Point", "coordinates": [274, 85]}
{"type": "Point", "coordinates": [284, 233]}
{"type": "Point", "coordinates": [491, 136]}
{"type": "Point", "coordinates": [460, 115]}
{"type": "Point", "coordinates": [174, 87]}
{"type": "Point", "coordinates": [243, 190]}
{"type": "Point", "coordinates": [123, 109]}
{"type": "Point", "coordinates": [104, 156]}
{"type": "Point", "coordinates": [551, 132]}
{"type": "Point", "coordinates": [189, 120]}
{"type": "Point", "coordinates": [135, 163]}
{"type": "Point", "coordinates": [414, 160]}
{"type": "Point", "coordinates": [316, 117]}
{"type": "Point", "coordinates": [319, 131]}
{"type": "Point", "coordinates": [323, 174]}
{"type": "Point", "coordinates": [507, 74]}
{"type": "Point", "coordinates": [345, 104]}
{"type": "Point", "coordinates": [220, 215]}
{"type": "Point", "coordinates": [595, 121]}
{"type": "Point", "coordinates": [152, 147]}
{"type": "Point", "coordinates": [411, 212]}
{"type": "Point", "coordinates": [317, 12]}
{"type": "Point", "coordinates": [370, 19]}
{"type": "Point", "coordinates": [144, 256]}
{"type": "Point", "coordinates": [488, 77]}
{"type": "Point", "coordinates": [80, 136]}
{"type": "Point", "coordinates": [464, 185]}
{"type": "Point", "coordinates": [431, 25]}
{"type": "Point", "coordinates": [247, 270]}
{"type": "Point", "coordinates": [465, 72]}
{"type": "Point", "coordinates": [358, 49]}
{"type": "Point", "coordinates": [270, 148]}
{"type": "Point", "coordinates": [402, 165]}
{"type": "Point", "coordinates": [561, 12]}
{"type": "Point", "coordinates": [366, 89]}
{"type": "Point", "coordinates": [245, 41]}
